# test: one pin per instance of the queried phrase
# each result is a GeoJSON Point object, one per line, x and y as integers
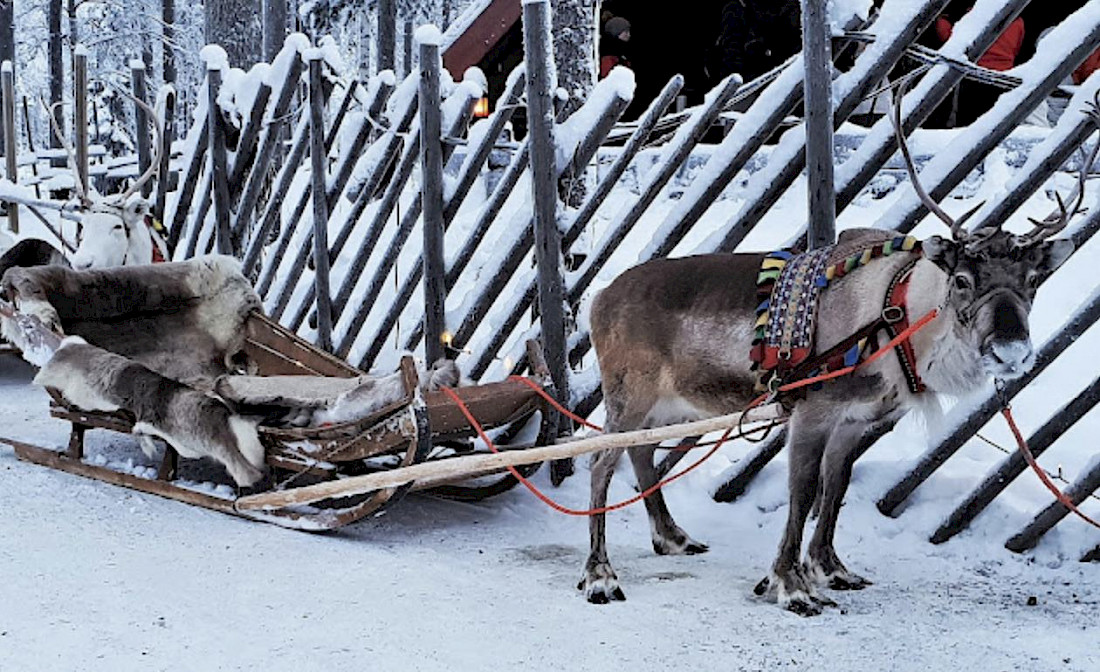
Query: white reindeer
{"type": "Point", "coordinates": [115, 230]}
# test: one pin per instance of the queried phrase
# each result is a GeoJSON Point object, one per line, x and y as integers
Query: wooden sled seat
{"type": "Point", "coordinates": [199, 323]}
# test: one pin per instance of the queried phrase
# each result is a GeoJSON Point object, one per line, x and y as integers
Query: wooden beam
{"type": "Point", "coordinates": [483, 463]}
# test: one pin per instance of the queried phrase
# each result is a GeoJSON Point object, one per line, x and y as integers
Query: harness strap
{"type": "Point", "coordinates": [896, 318]}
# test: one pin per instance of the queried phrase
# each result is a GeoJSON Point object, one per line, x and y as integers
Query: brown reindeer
{"type": "Point", "coordinates": [673, 338]}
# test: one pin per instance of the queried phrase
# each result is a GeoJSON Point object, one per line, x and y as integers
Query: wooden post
{"type": "Point", "coordinates": [407, 64]}
{"type": "Point", "coordinates": [387, 34]}
{"type": "Point", "coordinates": [817, 48]}
{"type": "Point", "coordinates": [11, 147]}
{"type": "Point", "coordinates": [320, 203]}
{"type": "Point", "coordinates": [141, 120]}
{"type": "Point", "coordinates": [540, 117]}
{"type": "Point", "coordinates": [30, 145]}
{"type": "Point", "coordinates": [478, 154]}
{"type": "Point", "coordinates": [219, 171]}
{"type": "Point", "coordinates": [431, 169]}
{"type": "Point", "coordinates": [80, 114]}
{"type": "Point", "coordinates": [164, 154]}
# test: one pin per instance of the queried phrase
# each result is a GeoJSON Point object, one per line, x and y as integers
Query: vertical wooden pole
{"type": "Point", "coordinates": [164, 154]}
{"type": "Point", "coordinates": [431, 167]}
{"type": "Point", "coordinates": [387, 34]}
{"type": "Point", "coordinates": [11, 148]}
{"type": "Point", "coordinates": [168, 34]}
{"type": "Point", "coordinates": [540, 117]}
{"type": "Point", "coordinates": [80, 113]}
{"type": "Point", "coordinates": [141, 120]}
{"type": "Point", "coordinates": [406, 49]}
{"type": "Point", "coordinates": [320, 203]}
{"type": "Point", "coordinates": [30, 145]}
{"type": "Point", "coordinates": [817, 48]}
{"type": "Point", "coordinates": [218, 162]}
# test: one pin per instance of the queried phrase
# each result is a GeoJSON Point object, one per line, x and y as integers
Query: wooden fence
{"type": "Point", "coordinates": [493, 277]}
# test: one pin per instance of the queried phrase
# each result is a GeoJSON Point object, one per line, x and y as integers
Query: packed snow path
{"type": "Point", "coordinates": [95, 577]}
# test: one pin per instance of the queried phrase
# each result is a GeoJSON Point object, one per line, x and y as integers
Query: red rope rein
{"type": "Point", "coordinates": [1058, 494]}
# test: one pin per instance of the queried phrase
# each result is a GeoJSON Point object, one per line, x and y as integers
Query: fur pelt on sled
{"type": "Point", "coordinates": [184, 320]}
{"type": "Point", "coordinates": [196, 424]}
{"type": "Point", "coordinates": [164, 343]}
{"type": "Point", "coordinates": [313, 401]}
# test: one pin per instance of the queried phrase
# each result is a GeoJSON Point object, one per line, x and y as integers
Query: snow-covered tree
{"type": "Point", "coordinates": [235, 25]}
{"type": "Point", "coordinates": [575, 28]}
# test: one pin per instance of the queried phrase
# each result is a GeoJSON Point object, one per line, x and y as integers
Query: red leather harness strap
{"type": "Point", "coordinates": [895, 314]}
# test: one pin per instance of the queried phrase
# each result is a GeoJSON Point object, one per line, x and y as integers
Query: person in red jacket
{"type": "Point", "coordinates": [1091, 64]}
{"type": "Point", "coordinates": [613, 45]}
{"type": "Point", "coordinates": [975, 98]}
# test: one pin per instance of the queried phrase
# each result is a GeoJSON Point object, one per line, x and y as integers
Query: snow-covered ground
{"type": "Point", "coordinates": [95, 577]}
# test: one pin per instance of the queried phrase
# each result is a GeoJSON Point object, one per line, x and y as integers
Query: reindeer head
{"type": "Point", "coordinates": [115, 234]}
{"type": "Point", "coordinates": [114, 231]}
{"type": "Point", "coordinates": [992, 274]}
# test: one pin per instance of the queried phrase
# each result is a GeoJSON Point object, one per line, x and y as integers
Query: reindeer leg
{"type": "Point", "coordinates": [822, 563]}
{"type": "Point", "coordinates": [600, 585]}
{"type": "Point", "coordinates": [668, 538]}
{"type": "Point", "coordinates": [794, 591]}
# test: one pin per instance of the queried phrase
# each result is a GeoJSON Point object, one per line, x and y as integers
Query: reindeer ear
{"type": "Point", "coordinates": [941, 252]}
{"type": "Point", "coordinates": [1054, 253]}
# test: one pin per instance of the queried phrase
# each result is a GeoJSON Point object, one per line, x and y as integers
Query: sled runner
{"type": "Point", "coordinates": [193, 329]}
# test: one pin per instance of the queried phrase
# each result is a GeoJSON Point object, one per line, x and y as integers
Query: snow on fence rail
{"type": "Point", "coordinates": [246, 188]}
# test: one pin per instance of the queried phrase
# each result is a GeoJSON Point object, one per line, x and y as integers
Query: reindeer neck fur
{"type": "Point", "coordinates": [947, 361]}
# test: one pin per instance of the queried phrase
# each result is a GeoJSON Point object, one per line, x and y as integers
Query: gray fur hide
{"type": "Point", "coordinates": [300, 401]}
{"type": "Point", "coordinates": [183, 320]}
{"type": "Point", "coordinates": [194, 423]}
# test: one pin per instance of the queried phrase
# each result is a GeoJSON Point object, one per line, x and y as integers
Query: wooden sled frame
{"type": "Point", "coordinates": [405, 430]}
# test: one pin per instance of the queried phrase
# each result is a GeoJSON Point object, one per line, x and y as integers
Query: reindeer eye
{"type": "Point", "coordinates": [962, 283]}
{"type": "Point", "coordinates": [117, 227]}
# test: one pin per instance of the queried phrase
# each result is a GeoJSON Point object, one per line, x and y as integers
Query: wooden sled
{"type": "Point", "coordinates": [401, 434]}
{"type": "Point", "coordinates": [417, 428]}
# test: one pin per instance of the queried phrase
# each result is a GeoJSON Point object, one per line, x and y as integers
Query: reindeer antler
{"type": "Point", "coordinates": [154, 165]}
{"type": "Point", "coordinates": [1054, 223]}
{"type": "Point", "coordinates": [958, 232]}
{"type": "Point", "coordinates": [81, 189]}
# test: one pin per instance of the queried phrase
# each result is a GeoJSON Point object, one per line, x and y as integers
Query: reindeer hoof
{"type": "Point", "coordinates": [762, 587]}
{"type": "Point", "coordinates": [803, 606]}
{"type": "Point", "coordinates": [601, 586]}
{"type": "Point", "coordinates": [679, 544]}
{"type": "Point", "coordinates": [850, 582]}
